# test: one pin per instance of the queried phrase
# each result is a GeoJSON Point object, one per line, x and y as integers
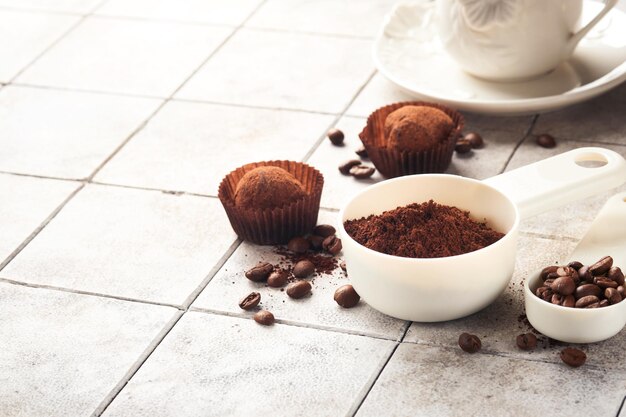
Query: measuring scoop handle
{"type": "Point", "coordinates": [561, 179]}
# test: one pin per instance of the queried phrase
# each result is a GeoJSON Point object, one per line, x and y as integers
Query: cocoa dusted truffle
{"type": "Point", "coordinates": [267, 187]}
{"type": "Point", "coordinates": [417, 128]}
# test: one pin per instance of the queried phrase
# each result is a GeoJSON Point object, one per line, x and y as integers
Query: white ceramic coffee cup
{"type": "Point", "coordinates": [508, 40]}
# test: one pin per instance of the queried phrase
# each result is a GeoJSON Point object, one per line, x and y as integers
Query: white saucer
{"type": "Point", "coordinates": [407, 52]}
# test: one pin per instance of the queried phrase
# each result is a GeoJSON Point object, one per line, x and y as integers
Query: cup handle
{"type": "Point", "coordinates": [561, 179]}
{"type": "Point", "coordinates": [576, 37]}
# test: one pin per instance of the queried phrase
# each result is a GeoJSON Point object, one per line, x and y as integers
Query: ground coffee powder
{"type": "Point", "coordinates": [424, 230]}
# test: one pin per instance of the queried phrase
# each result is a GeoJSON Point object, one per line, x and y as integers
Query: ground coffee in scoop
{"type": "Point", "coordinates": [424, 230]}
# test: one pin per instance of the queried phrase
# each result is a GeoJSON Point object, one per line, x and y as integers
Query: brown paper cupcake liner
{"type": "Point", "coordinates": [393, 163]}
{"type": "Point", "coordinates": [274, 225]}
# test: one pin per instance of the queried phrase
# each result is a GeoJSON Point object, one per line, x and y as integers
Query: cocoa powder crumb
{"type": "Point", "coordinates": [422, 230]}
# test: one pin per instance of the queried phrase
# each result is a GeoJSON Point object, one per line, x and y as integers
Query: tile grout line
{"type": "Point", "coordinates": [134, 368]}
{"type": "Point", "coordinates": [55, 42]}
{"type": "Point", "coordinates": [317, 144]}
{"type": "Point", "coordinates": [89, 293]}
{"type": "Point", "coordinates": [621, 407]}
{"type": "Point", "coordinates": [357, 405]}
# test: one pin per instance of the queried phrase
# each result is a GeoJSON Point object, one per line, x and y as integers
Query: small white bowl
{"type": "Point", "coordinates": [572, 325]}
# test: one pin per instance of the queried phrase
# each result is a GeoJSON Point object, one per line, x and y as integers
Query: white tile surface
{"type": "Point", "coordinates": [430, 382]}
{"type": "Point", "coordinates": [71, 6]}
{"type": "Point", "coordinates": [230, 285]}
{"type": "Point", "coordinates": [281, 70]}
{"type": "Point", "coordinates": [62, 353]}
{"type": "Point", "coordinates": [64, 134]}
{"type": "Point", "coordinates": [192, 146]}
{"type": "Point", "coordinates": [377, 93]}
{"type": "Point", "coordinates": [132, 243]}
{"type": "Point", "coordinates": [341, 17]}
{"type": "Point", "coordinates": [231, 12]}
{"type": "Point", "coordinates": [26, 203]}
{"type": "Point", "coordinates": [126, 56]}
{"type": "Point", "coordinates": [224, 366]}
{"type": "Point", "coordinates": [18, 47]}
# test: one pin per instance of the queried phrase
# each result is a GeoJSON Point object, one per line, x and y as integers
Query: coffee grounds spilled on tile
{"type": "Point", "coordinates": [424, 230]}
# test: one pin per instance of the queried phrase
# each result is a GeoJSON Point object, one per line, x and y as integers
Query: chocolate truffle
{"type": "Point", "coordinates": [267, 187]}
{"type": "Point", "coordinates": [417, 128]}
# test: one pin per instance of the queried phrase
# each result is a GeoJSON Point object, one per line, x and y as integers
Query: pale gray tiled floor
{"type": "Point", "coordinates": [119, 272]}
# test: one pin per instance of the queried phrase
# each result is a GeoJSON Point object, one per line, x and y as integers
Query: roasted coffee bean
{"type": "Point", "coordinates": [575, 264]}
{"type": "Point", "coordinates": [547, 270]}
{"type": "Point", "coordinates": [264, 317]}
{"type": "Point", "coordinates": [278, 279]}
{"type": "Point", "coordinates": [566, 271]}
{"type": "Point", "coordinates": [573, 357]}
{"type": "Point", "coordinates": [584, 274]}
{"type": "Point", "coordinates": [547, 295]}
{"type": "Point", "coordinates": [621, 289]}
{"type": "Point", "coordinates": [604, 282]}
{"type": "Point", "coordinates": [616, 274]}
{"type": "Point", "coordinates": [569, 301]}
{"type": "Point", "coordinates": [346, 296]}
{"type": "Point", "coordinates": [332, 244]}
{"type": "Point", "coordinates": [603, 303]}
{"type": "Point", "coordinates": [586, 300]}
{"type": "Point", "coordinates": [250, 301]}
{"type": "Point", "coordinates": [336, 137]}
{"type": "Point", "coordinates": [556, 299]}
{"type": "Point", "coordinates": [303, 269]}
{"type": "Point", "coordinates": [612, 295]}
{"type": "Point", "coordinates": [474, 139]}
{"type": "Point", "coordinates": [299, 245]}
{"type": "Point", "coordinates": [540, 291]}
{"type": "Point", "coordinates": [463, 146]}
{"type": "Point", "coordinates": [527, 341]}
{"type": "Point", "coordinates": [586, 290]}
{"type": "Point", "coordinates": [563, 285]}
{"type": "Point", "coordinates": [324, 230]}
{"type": "Point", "coordinates": [298, 289]}
{"type": "Point", "coordinates": [362, 152]}
{"type": "Point", "coordinates": [260, 272]}
{"type": "Point", "coordinates": [347, 166]}
{"type": "Point", "coordinates": [470, 343]}
{"type": "Point", "coordinates": [343, 267]}
{"type": "Point", "coordinates": [361, 172]}
{"type": "Point", "coordinates": [593, 305]}
{"type": "Point", "coordinates": [601, 267]}
{"type": "Point", "coordinates": [546, 141]}
{"type": "Point", "coordinates": [548, 282]}
{"type": "Point", "coordinates": [316, 241]}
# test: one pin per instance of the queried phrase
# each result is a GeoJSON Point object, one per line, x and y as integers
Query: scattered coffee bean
{"type": "Point", "coordinates": [361, 172]}
{"type": "Point", "coordinates": [616, 274]}
{"type": "Point", "coordinates": [316, 241]}
{"type": "Point", "coordinates": [260, 272]}
{"type": "Point", "coordinates": [601, 267]}
{"type": "Point", "coordinates": [346, 296]}
{"type": "Point", "coordinates": [526, 341]}
{"type": "Point", "coordinates": [475, 140]}
{"type": "Point", "coordinates": [563, 285]}
{"type": "Point", "coordinates": [336, 137]}
{"type": "Point", "coordinates": [362, 152]}
{"type": "Point", "coordinates": [470, 343]}
{"type": "Point", "coordinates": [332, 245]}
{"type": "Point", "coordinates": [250, 301]}
{"type": "Point", "coordinates": [324, 230]}
{"type": "Point", "coordinates": [345, 167]}
{"type": "Point", "coordinates": [612, 295]}
{"type": "Point", "coordinates": [586, 301]}
{"type": "Point", "coordinates": [463, 146]}
{"type": "Point", "coordinates": [264, 317]}
{"type": "Point", "coordinates": [546, 141]}
{"type": "Point", "coordinates": [298, 289]}
{"type": "Point", "coordinates": [573, 357]}
{"type": "Point", "coordinates": [278, 279]}
{"type": "Point", "coordinates": [303, 269]}
{"type": "Point", "coordinates": [299, 245]}
{"type": "Point", "coordinates": [575, 264]}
